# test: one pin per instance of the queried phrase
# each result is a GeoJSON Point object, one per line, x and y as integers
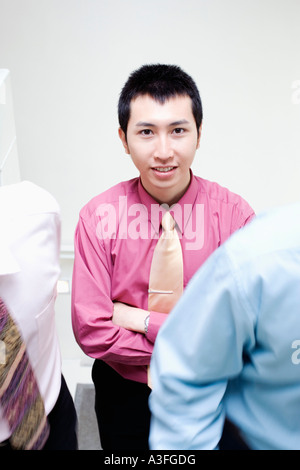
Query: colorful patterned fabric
{"type": "Point", "coordinates": [20, 399]}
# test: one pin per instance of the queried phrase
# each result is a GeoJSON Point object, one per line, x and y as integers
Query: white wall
{"type": "Point", "coordinates": [9, 162]}
{"type": "Point", "coordinates": [69, 59]}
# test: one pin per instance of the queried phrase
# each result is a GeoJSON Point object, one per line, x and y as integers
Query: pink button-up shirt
{"type": "Point", "coordinates": [114, 242]}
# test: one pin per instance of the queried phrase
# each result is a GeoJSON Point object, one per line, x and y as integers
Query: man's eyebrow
{"type": "Point", "coordinates": [179, 123]}
{"type": "Point", "coordinates": [149, 124]}
{"type": "Point", "coordinates": [144, 124]}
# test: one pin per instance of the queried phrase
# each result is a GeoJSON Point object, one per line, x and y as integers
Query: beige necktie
{"type": "Point", "coordinates": [166, 273]}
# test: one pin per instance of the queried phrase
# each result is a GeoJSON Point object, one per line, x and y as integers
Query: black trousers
{"type": "Point", "coordinates": [231, 438]}
{"type": "Point", "coordinates": [63, 423]}
{"type": "Point", "coordinates": [122, 410]}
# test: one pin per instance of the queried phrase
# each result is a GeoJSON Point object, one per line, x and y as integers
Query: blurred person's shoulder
{"type": "Point", "coordinates": [27, 198]}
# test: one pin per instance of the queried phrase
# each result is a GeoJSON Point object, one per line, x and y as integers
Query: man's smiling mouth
{"type": "Point", "coordinates": [164, 169]}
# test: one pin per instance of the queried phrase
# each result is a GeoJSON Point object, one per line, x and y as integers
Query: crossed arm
{"type": "Point", "coordinates": [130, 318]}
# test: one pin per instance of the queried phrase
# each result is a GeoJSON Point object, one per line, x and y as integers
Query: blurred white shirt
{"type": "Point", "coordinates": [29, 271]}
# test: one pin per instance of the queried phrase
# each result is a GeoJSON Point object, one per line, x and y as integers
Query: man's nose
{"type": "Point", "coordinates": [164, 149]}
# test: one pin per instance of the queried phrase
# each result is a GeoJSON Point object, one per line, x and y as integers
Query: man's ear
{"type": "Point", "coordinates": [199, 136]}
{"type": "Point", "coordinates": [124, 140]}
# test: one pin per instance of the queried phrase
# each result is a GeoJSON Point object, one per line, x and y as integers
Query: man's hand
{"type": "Point", "coordinates": [131, 318]}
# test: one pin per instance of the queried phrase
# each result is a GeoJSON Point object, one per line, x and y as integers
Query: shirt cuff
{"type": "Point", "coordinates": [155, 322]}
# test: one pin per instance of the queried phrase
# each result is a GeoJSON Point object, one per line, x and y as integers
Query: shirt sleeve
{"type": "Point", "coordinates": [197, 350]}
{"type": "Point", "coordinates": [92, 306]}
{"type": "Point", "coordinates": [242, 215]}
{"type": "Point", "coordinates": [156, 320]}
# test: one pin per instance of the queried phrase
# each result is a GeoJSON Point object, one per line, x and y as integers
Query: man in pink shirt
{"type": "Point", "coordinates": [160, 116]}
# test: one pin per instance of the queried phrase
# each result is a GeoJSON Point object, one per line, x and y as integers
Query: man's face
{"type": "Point", "coordinates": [162, 140]}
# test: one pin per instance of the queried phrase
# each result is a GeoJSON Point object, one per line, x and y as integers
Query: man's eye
{"type": "Point", "coordinates": [146, 132]}
{"type": "Point", "coordinates": [178, 130]}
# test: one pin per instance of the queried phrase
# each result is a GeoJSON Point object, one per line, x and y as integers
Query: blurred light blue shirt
{"type": "Point", "coordinates": [231, 346]}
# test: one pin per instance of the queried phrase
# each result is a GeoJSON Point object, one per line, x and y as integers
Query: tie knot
{"type": "Point", "coordinates": [168, 223]}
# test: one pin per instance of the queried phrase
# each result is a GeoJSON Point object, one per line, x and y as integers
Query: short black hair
{"type": "Point", "coordinates": [161, 82]}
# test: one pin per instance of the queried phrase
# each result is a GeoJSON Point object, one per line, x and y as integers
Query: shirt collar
{"type": "Point", "coordinates": [181, 212]}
